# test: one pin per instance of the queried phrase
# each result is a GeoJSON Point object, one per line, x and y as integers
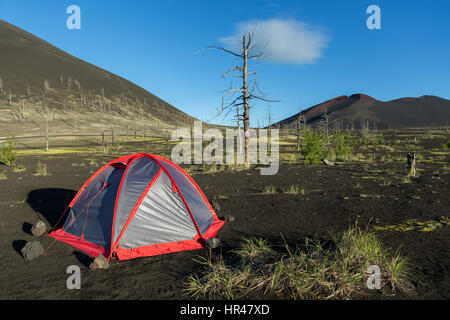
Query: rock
{"type": "Point", "coordinates": [213, 243]}
{"type": "Point", "coordinates": [99, 263]}
{"type": "Point", "coordinates": [39, 229]}
{"type": "Point", "coordinates": [32, 250]}
{"type": "Point", "coordinates": [215, 206]}
{"type": "Point", "coordinates": [228, 218]}
{"type": "Point", "coordinates": [327, 162]}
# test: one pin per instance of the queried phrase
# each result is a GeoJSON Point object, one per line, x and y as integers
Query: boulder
{"type": "Point", "coordinates": [213, 243]}
{"type": "Point", "coordinates": [99, 263]}
{"type": "Point", "coordinates": [227, 218]}
{"type": "Point", "coordinates": [215, 206]}
{"type": "Point", "coordinates": [32, 250]}
{"type": "Point", "coordinates": [327, 162]}
{"type": "Point", "coordinates": [39, 229]}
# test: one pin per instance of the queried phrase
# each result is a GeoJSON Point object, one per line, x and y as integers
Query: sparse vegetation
{"type": "Point", "coordinates": [315, 270]}
{"type": "Point", "coordinates": [20, 168]}
{"type": "Point", "coordinates": [313, 147]}
{"type": "Point", "coordinates": [41, 169]}
{"type": "Point", "coordinates": [293, 189]}
{"type": "Point", "coordinates": [340, 147]}
{"type": "Point", "coordinates": [270, 189]}
{"type": "Point", "coordinates": [416, 225]}
{"type": "Point", "coordinates": [8, 153]}
{"type": "Point", "coordinates": [3, 175]}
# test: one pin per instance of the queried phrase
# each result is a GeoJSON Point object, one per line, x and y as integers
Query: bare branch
{"type": "Point", "coordinates": [226, 50]}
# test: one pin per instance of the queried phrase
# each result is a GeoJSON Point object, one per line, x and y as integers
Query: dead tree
{"type": "Point", "coordinates": [411, 164]}
{"type": "Point", "coordinates": [112, 136]}
{"type": "Point", "coordinates": [44, 112]}
{"type": "Point", "coordinates": [300, 119]}
{"type": "Point", "coordinates": [46, 85]}
{"type": "Point", "coordinates": [46, 133]}
{"type": "Point", "coordinates": [102, 99]}
{"type": "Point", "coordinates": [248, 91]}
{"type": "Point", "coordinates": [103, 141]}
{"type": "Point", "coordinates": [238, 119]}
{"type": "Point", "coordinates": [27, 91]}
{"type": "Point", "coordinates": [269, 127]}
{"type": "Point", "coordinates": [324, 124]}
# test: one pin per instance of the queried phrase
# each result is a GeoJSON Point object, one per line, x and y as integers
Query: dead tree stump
{"type": "Point", "coordinates": [411, 164]}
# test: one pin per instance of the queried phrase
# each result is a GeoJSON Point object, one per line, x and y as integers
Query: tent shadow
{"type": "Point", "coordinates": [18, 245]}
{"type": "Point", "coordinates": [84, 259]}
{"type": "Point", "coordinates": [27, 227]}
{"type": "Point", "coordinates": [51, 203]}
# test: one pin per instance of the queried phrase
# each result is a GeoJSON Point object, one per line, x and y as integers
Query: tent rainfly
{"type": "Point", "coordinates": [135, 206]}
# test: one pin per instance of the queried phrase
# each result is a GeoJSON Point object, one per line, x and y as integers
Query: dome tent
{"type": "Point", "coordinates": [135, 206]}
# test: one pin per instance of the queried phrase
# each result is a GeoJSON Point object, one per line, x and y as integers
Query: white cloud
{"type": "Point", "coordinates": [289, 41]}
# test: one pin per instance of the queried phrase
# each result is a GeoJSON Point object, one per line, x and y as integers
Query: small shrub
{"type": "Point", "coordinates": [406, 179]}
{"type": "Point", "coordinates": [3, 175]}
{"type": "Point", "coordinates": [41, 169]}
{"type": "Point", "coordinates": [341, 146]}
{"type": "Point", "coordinates": [446, 145]}
{"type": "Point", "coordinates": [8, 153]}
{"type": "Point", "coordinates": [313, 148]}
{"type": "Point", "coordinates": [20, 168]}
{"type": "Point", "coordinates": [294, 189]}
{"type": "Point", "coordinates": [270, 189]}
{"type": "Point", "coordinates": [254, 249]}
{"type": "Point", "coordinates": [381, 139]}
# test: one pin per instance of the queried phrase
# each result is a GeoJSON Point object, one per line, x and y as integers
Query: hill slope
{"type": "Point", "coordinates": [39, 80]}
{"type": "Point", "coordinates": [358, 109]}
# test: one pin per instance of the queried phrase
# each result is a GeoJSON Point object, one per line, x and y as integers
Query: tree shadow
{"type": "Point", "coordinates": [50, 203]}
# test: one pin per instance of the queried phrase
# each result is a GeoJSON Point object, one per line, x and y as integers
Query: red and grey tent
{"type": "Point", "coordinates": [138, 205]}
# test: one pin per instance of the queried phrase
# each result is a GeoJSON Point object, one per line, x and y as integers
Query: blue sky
{"type": "Point", "coordinates": [157, 45]}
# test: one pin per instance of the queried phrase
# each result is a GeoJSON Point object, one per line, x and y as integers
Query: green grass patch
{"type": "Point", "coordinates": [270, 189]}
{"type": "Point", "coordinates": [314, 270]}
{"type": "Point", "coordinates": [19, 168]}
{"type": "Point", "coordinates": [8, 153]}
{"type": "Point", "coordinates": [416, 225]}
{"type": "Point", "coordinates": [41, 169]}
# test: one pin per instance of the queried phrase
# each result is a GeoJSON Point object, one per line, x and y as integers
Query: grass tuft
{"type": "Point", "coordinates": [20, 168]}
{"type": "Point", "coordinates": [41, 169]}
{"type": "Point", "coordinates": [270, 189]}
{"type": "Point", "coordinates": [315, 270]}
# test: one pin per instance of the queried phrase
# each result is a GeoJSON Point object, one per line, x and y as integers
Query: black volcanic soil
{"type": "Point", "coordinates": [332, 202]}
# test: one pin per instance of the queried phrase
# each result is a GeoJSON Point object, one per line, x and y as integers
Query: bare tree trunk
{"type": "Point", "coordinates": [246, 107]}
{"type": "Point", "coordinates": [411, 164]}
{"type": "Point", "coordinates": [269, 128]}
{"type": "Point", "coordinates": [239, 130]}
{"type": "Point", "coordinates": [46, 133]}
{"type": "Point", "coordinates": [75, 109]}
{"type": "Point", "coordinates": [112, 136]}
{"type": "Point", "coordinates": [298, 131]}
{"type": "Point", "coordinates": [103, 141]}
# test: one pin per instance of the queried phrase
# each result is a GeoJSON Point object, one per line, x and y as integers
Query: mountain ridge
{"type": "Point", "coordinates": [354, 110]}
{"type": "Point", "coordinates": [36, 74]}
